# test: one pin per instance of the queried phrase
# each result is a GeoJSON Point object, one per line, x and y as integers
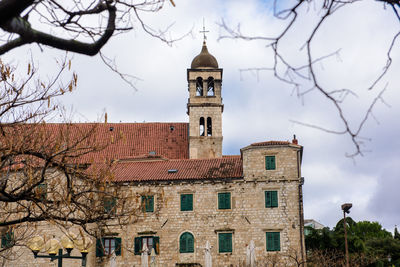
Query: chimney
{"type": "Point", "coordinates": [294, 141]}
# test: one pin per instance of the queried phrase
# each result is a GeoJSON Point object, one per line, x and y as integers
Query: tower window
{"type": "Point", "coordinates": [210, 86]}
{"type": "Point", "coordinates": [199, 86]}
{"type": "Point", "coordinates": [202, 126]}
{"type": "Point", "coordinates": [209, 127]}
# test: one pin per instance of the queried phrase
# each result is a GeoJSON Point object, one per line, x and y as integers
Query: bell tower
{"type": "Point", "coordinates": [205, 106]}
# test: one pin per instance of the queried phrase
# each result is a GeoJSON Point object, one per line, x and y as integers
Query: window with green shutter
{"type": "Point", "coordinates": [151, 242]}
{"type": "Point", "coordinates": [186, 202]}
{"type": "Point", "coordinates": [148, 203]}
{"type": "Point", "coordinates": [224, 200]}
{"type": "Point", "coordinates": [109, 204]}
{"type": "Point", "coordinates": [273, 241]}
{"type": "Point", "coordinates": [224, 242]}
{"type": "Point", "coordinates": [271, 199]}
{"type": "Point", "coordinates": [41, 191]}
{"type": "Point", "coordinates": [270, 163]}
{"type": "Point", "coordinates": [106, 245]}
{"type": "Point", "coordinates": [7, 239]}
{"type": "Point", "coordinates": [186, 243]}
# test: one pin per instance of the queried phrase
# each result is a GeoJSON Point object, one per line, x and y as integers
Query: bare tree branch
{"type": "Point", "coordinates": [305, 77]}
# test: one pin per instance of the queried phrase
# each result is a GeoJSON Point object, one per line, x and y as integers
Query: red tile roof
{"type": "Point", "coordinates": [129, 146]}
{"type": "Point", "coordinates": [271, 143]}
{"type": "Point", "coordinates": [185, 169]}
{"type": "Point", "coordinates": [133, 140]}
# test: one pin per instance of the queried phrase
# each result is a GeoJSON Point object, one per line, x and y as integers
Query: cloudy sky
{"type": "Point", "coordinates": [258, 107]}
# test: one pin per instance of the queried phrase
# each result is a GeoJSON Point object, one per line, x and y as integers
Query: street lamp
{"type": "Point", "coordinates": [53, 246]}
{"type": "Point", "coordinates": [346, 209]}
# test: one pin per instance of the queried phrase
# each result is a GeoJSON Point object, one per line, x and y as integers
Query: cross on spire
{"type": "Point", "coordinates": [204, 32]}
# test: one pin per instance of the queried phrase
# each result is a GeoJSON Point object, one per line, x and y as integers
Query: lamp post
{"type": "Point", "coordinates": [55, 251]}
{"type": "Point", "coordinates": [346, 209]}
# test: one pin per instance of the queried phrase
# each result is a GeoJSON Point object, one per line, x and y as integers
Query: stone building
{"type": "Point", "coordinates": [192, 193]}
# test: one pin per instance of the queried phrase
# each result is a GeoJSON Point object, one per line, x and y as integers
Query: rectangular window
{"type": "Point", "coordinates": [186, 202]}
{"type": "Point", "coordinates": [105, 246]}
{"type": "Point", "coordinates": [273, 241]}
{"type": "Point", "coordinates": [224, 201]}
{"type": "Point", "coordinates": [271, 199]}
{"type": "Point", "coordinates": [7, 239]}
{"type": "Point", "coordinates": [150, 241]}
{"type": "Point", "coordinates": [224, 242]}
{"type": "Point", "coordinates": [148, 203]}
{"type": "Point", "coordinates": [41, 191]}
{"type": "Point", "coordinates": [270, 163]}
{"type": "Point", "coordinates": [109, 204]}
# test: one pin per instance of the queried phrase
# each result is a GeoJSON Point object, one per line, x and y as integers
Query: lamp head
{"type": "Point", "coordinates": [52, 246]}
{"type": "Point", "coordinates": [346, 207]}
{"type": "Point", "coordinates": [36, 244]}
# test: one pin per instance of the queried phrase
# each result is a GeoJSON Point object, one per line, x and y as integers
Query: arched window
{"type": "Point", "coordinates": [186, 243]}
{"type": "Point", "coordinates": [209, 127]}
{"type": "Point", "coordinates": [210, 86]}
{"type": "Point", "coordinates": [199, 86]}
{"type": "Point", "coordinates": [202, 129]}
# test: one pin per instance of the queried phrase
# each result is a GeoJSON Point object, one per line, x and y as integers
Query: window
{"type": "Point", "coordinates": [209, 127]}
{"type": "Point", "coordinates": [224, 201]}
{"type": "Point", "coordinates": [41, 191]}
{"type": "Point", "coordinates": [186, 243]}
{"type": "Point", "coordinates": [7, 239]}
{"type": "Point", "coordinates": [109, 204]}
{"type": "Point", "coordinates": [270, 163]}
{"type": "Point", "coordinates": [224, 242]}
{"type": "Point", "coordinates": [271, 199]}
{"type": "Point", "coordinates": [105, 246]}
{"type": "Point", "coordinates": [273, 241]}
{"type": "Point", "coordinates": [202, 129]}
{"type": "Point", "coordinates": [150, 241]}
{"type": "Point", "coordinates": [199, 86]}
{"type": "Point", "coordinates": [186, 202]}
{"type": "Point", "coordinates": [210, 86]}
{"type": "Point", "coordinates": [148, 203]}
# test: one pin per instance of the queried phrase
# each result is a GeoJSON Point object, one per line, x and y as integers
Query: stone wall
{"type": "Point", "coordinates": [248, 219]}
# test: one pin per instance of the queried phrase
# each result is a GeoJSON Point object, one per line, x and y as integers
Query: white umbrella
{"type": "Point", "coordinates": [153, 258]}
{"type": "Point", "coordinates": [207, 255]}
{"type": "Point", "coordinates": [113, 259]}
{"type": "Point", "coordinates": [145, 256]}
{"type": "Point", "coordinates": [252, 254]}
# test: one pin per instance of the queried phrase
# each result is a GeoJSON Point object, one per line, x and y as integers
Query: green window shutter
{"type": "Point", "coordinates": [186, 243]}
{"type": "Point", "coordinates": [118, 246]}
{"type": "Point", "coordinates": [42, 191]}
{"type": "Point", "coordinates": [270, 242]}
{"type": "Point", "coordinates": [7, 239]}
{"type": "Point", "coordinates": [156, 242]}
{"type": "Point", "coordinates": [273, 241]}
{"type": "Point", "coordinates": [186, 202]}
{"type": "Point", "coordinates": [224, 200]}
{"type": "Point", "coordinates": [225, 242]}
{"type": "Point", "coordinates": [270, 163]}
{"type": "Point", "coordinates": [274, 198]}
{"type": "Point", "coordinates": [271, 199]}
{"type": "Point", "coordinates": [268, 199]}
{"type": "Point", "coordinates": [138, 245]}
{"type": "Point", "coordinates": [99, 247]}
{"type": "Point", "coordinates": [148, 203]}
{"type": "Point", "coordinates": [182, 244]}
{"type": "Point", "coordinates": [190, 243]}
{"type": "Point", "coordinates": [277, 241]}
{"type": "Point", "coordinates": [109, 204]}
